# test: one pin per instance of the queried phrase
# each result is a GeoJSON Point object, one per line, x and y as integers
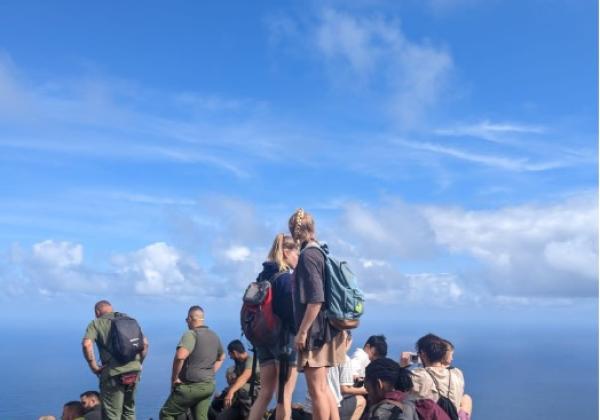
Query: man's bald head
{"type": "Point", "coordinates": [195, 316]}
{"type": "Point", "coordinates": [102, 307]}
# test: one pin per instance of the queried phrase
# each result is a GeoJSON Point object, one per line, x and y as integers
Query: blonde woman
{"type": "Point", "coordinates": [319, 344]}
{"type": "Point", "coordinates": [282, 259]}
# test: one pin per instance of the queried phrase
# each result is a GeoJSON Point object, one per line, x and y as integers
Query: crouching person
{"type": "Point", "coordinates": [198, 357]}
{"type": "Point", "coordinates": [240, 394]}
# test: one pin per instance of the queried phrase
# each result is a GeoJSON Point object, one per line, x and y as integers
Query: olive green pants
{"type": "Point", "coordinates": [118, 400]}
{"type": "Point", "coordinates": [195, 397]}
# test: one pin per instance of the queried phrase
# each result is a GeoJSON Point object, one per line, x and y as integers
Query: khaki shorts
{"type": "Point", "coordinates": [330, 354]}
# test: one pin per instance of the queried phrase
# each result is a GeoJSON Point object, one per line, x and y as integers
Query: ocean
{"type": "Point", "coordinates": [517, 371]}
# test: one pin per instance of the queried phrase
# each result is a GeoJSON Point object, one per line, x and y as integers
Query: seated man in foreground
{"type": "Point", "coordinates": [239, 397]}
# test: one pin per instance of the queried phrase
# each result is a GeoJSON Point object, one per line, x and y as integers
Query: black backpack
{"type": "Point", "coordinates": [125, 339]}
{"type": "Point", "coordinates": [444, 401]}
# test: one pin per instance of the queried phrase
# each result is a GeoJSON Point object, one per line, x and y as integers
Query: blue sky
{"type": "Point", "coordinates": [448, 148]}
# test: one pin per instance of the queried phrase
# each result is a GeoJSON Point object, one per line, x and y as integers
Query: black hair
{"type": "Point", "coordinates": [434, 347]}
{"type": "Point", "coordinates": [75, 405]}
{"type": "Point", "coordinates": [387, 370]}
{"type": "Point", "coordinates": [236, 345]}
{"type": "Point", "coordinates": [90, 394]}
{"type": "Point", "coordinates": [379, 344]}
{"type": "Point", "coordinates": [404, 382]}
{"type": "Point", "coordinates": [195, 308]}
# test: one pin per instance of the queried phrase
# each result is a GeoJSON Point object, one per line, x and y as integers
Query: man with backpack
{"type": "Point", "coordinates": [122, 348]}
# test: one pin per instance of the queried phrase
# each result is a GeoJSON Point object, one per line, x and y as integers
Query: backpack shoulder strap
{"type": "Point", "coordinates": [253, 375]}
{"type": "Point", "coordinates": [449, 381]}
{"type": "Point", "coordinates": [435, 382]}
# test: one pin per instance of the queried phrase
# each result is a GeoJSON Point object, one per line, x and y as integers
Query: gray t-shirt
{"type": "Point", "coordinates": [205, 349]}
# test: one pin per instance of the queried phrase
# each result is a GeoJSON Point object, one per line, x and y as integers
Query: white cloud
{"type": "Point", "coordinates": [491, 131]}
{"type": "Point", "coordinates": [237, 253]}
{"type": "Point", "coordinates": [50, 267]}
{"type": "Point", "coordinates": [530, 250]}
{"type": "Point", "coordinates": [58, 254]}
{"type": "Point", "coordinates": [435, 255]}
{"type": "Point", "coordinates": [373, 52]}
{"type": "Point", "coordinates": [159, 269]}
{"type": "Point", "coordinates": [500, 162]}
{"type": "Point", "coordinates": [395, 230]}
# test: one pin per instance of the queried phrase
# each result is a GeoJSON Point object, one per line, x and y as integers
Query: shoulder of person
{"type": "Point", "coordinates": [384, 410]}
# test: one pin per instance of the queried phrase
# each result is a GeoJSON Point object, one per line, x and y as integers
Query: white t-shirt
{"type": "Point", "coordinates": [336, 377]}
{"type": "Point", "coordinates": [360, 360]}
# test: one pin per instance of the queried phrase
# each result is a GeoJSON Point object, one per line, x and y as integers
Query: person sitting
{"type": "Point", "coordinates": [374, 348]}
{"type": "Point", "coordinates": [238, 400]}
{"type": "Point", "coordinates": [466, 403]}
{"type": "Point", "coordinates": [73, 410]}
{"type": "Point", "coordinates": [388, 387]}
{"type": "Point", "coordinates": [436, 380]}
{"type": "Point", "coordinates": [354, 399]}
{"type": "Point", "coordinates": [218, 403]}
{"type": "Point", "coordinates": [92, 405]}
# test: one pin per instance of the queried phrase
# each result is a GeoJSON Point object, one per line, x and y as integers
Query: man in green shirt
{"type": "Point", "coordinates": [238, 399]}
{"type": "Point", "coordinates": [198, 357]}
{"type": "Point", "coordinates": [118, 398]}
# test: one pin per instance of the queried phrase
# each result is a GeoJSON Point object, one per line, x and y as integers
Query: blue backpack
{"type": "Point", "coordinates": [343, 299]}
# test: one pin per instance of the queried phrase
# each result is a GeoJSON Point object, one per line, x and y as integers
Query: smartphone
{"type": "Point", "coordinates": [414, 358]}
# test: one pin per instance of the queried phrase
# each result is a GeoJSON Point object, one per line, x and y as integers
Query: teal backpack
{"type": "Point", "coordinates": [343, 299]}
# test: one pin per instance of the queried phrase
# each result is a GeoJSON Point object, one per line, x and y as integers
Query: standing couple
{"type": "Point", "coordinates": [296, 268]}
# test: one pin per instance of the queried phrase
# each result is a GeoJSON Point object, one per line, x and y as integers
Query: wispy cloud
{"type": "Point", "coordinates": [371, 53]}
{"type": "Point", "coordinates": [495, 161]}
{"type": "Point", "coordinates": [491, 131]}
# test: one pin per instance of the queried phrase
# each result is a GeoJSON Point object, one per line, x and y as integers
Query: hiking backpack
{"type": "Point", "coordinates": [444, 401]}
{"type": "Point", "coordinates": [343, 299]}
{"type": "Point", "coordinates": [259, 323]}
{"type": "Point", "coordinates": [125, 339]}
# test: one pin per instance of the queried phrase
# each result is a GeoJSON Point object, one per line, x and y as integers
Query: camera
{"type": "Point", "coordinates": [414, 358]}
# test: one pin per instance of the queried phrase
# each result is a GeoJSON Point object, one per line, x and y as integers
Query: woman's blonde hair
{"type": "Point", "coordinates": [302, 226]}
{"type": "Point", "coordinates": [280, 243]}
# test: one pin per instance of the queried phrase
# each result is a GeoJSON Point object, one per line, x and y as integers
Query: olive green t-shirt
{"type": "Point", "coordinates": [199, 366]}
{"type": "Point", "coordinates": [98, 331]}
{"type": "Point", "coordinates": [241, 366]}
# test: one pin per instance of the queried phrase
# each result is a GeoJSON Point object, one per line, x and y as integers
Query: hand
{"type": "Point", "coordinates": [300, 342]}
{"type": "Point", "coordinates": [228, 400]}
{"type": "Point", "coordinates": [176, 382]}
{"type": "Point", "coordinates": [97, 370]}
{"type": "Point", "coordinates": [404, 359]}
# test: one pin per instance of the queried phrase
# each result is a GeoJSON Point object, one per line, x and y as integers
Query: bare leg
{"type": "Point", "coordinates": [268, 382]}
{"type": "Point", "coordinates": [316, 382]}
{"type": "Point", "coordinates": [284, 411]}
{"type": "Point", "coordinates": [361, 403]}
